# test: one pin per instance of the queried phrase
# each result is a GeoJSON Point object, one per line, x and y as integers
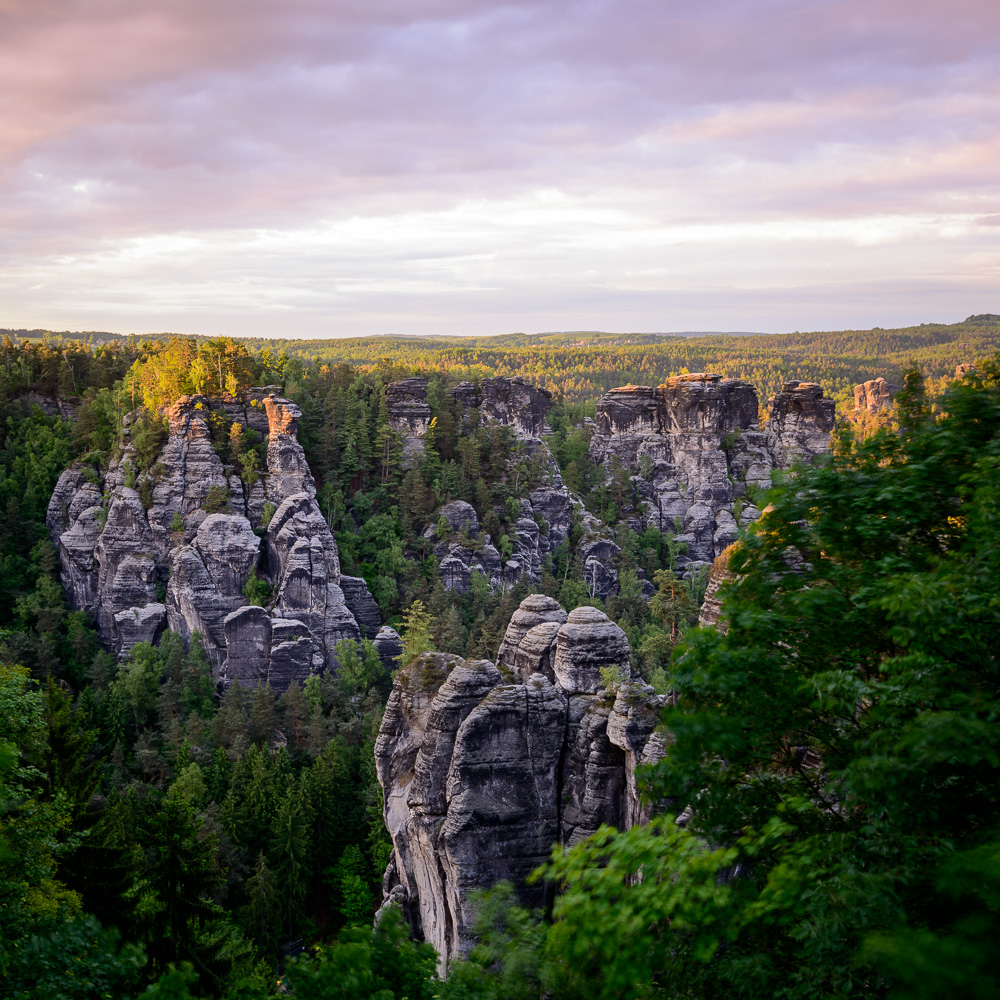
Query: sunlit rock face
{"type": "Point", "coordinates": [481, 776]}
{"type": "Point", "coordinates": [711, 608]}
{"type": "Point", "coordinates": [697, 456]}
{"type": "Point", "coordinates": [149, 555]}
{"type": "Point", "coordinates": [875, 394]}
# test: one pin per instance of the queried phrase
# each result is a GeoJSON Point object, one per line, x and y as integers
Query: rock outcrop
{"type": "Point", "coordinates": [711, 607]}
{"type": "Point", "coordinates": [800, 423]}
{"type": "Point", "coordinates": [482, 777]}
{"type": "Point", "coordinates": [546, 519]}
{"type": "Point", "coordinates": [696, 455]}
{"type": "Point", "coordinates": [875, 394]}
{"type": "Point", "coordinates": [409, 415]}
{"type": "Point", "coordinates": [184, 543]}
{"type": "Point", "coordinates": [509, 401]}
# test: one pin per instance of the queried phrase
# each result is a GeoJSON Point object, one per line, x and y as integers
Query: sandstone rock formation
{"type": "Point", "coordinates": [409, 414]}
{"type": "Point", "coordinates": [875, 394]}
{"type": "Point", "coordinates": [509, 401]}
{"type": "Point", "coordinates": [482, 777]}
{"type": "Point", "coordinates": [546, 519]}
{"type": "Point", "coordinates": [800, 423]}
{"type": "Point", "coordinates": [711, 607]}
{"type": "Point", "coordinates": [694, 450]}
{"type": "Point", "coordinates": [149, 555]}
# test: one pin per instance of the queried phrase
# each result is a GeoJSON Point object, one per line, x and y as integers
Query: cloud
{"type": "Point", "coordinates": [143, 141]}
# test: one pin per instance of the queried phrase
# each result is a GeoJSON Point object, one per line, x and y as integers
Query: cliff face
{"type": "Point", "coordinates": [149, 555]}
{"type": "Point", "coordinates": [694, 450]}
{"type": "Point", "coordinates": [409, 415]}
{"type": "Point", "coordinates": [509, 401]}
{"type": "Point", "coordinates": [481, 777]}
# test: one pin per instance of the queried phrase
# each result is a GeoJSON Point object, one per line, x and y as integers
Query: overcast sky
{"type": "Point", "coordinates": [343, 167]}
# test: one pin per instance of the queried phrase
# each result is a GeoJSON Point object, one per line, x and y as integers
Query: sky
{"type": "Point", "coordinates": [321, 168]}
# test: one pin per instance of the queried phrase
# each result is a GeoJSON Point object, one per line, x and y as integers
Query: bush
{"type": "Point", "coordinates": [266, 513]}
{"type": "Point", "coordinates": [148, 435]}
{"type": "Point", "coordinates": [216, 500]}
{"type": "Point", "coordinates": [255, 590]}
{"type": "Point", "coordinates": [145, 491]}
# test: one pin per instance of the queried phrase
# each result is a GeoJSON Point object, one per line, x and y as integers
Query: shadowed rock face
{"type": "Point", "coordinates": [389, 646]}
{"type": "Point", "coordinates": [694, 449]}
{"type": "Point", "coordinates": [534, 610]}
{"type": "Point", "coordinates": [800, 423]}
{"type": "Point", "coordinates": [177, 564]}
{"type": "Point", "coordinates": [409, 414]}
{"type": "Point", "coordinates": [482, 777]}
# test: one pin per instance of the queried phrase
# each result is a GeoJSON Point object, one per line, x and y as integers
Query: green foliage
{"type": "Point", "coordinates": [177, 522]}
{"type": "Point", "coordinates": [255, 590]}
{"type": "Point", "coordinates": [365, 964]}
{"type": "Point", "coordinates": [77, 959]}
{"type": "Point", "coordinates": [266, 513]}
{"type": "Point", "coordinates": [416, 631]}
{"type": "Point", "coordinates": [841, 739]}
{"type": "Point", "coordinates": [216, 500]}
{"type": "Point", "coordinates": [148, 435]}
{"type": "Point", "coordinates": [612, 677]}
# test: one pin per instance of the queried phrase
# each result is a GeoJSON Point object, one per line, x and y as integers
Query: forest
{"type": "Point", "coordinates": [580, 367]}
{"type": "Point", "coordinates": [160, 839]}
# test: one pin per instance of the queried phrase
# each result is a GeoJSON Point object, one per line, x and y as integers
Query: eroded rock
{"type": "Point", "coordinates": [481, 777]}
{"type": "Point", "coordinates": [119, 559]}
{"type": "Point", "coordinates": [875, 394]}
{"type": "Point", "coordinates": [694, 453]}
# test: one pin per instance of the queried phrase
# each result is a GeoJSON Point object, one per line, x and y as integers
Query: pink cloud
{"type": "Point", "coordinates": [122, 119]}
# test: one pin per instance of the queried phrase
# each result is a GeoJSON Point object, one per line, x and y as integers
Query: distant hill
{"type": "Point", "coordinates": [582, 365]}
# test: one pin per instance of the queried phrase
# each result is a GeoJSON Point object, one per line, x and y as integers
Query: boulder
{"type": "Point", "coordinates": [536, 652]}
{"type": "Point", "coordinates": [459, 515]}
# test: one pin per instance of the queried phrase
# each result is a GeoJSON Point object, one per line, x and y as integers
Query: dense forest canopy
{"type": "Point", "coordinates": [582, 366]}
{"type": "Point", "coordinates": [163, 839]}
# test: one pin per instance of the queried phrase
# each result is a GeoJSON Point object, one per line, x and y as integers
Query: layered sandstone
{"type": "Point", "coordinates": [151, 555]}
{"type": "Point", "coordinates": [875, 394]}
{"type": "Point", "coordinates": [481, 776]}
{"type": "Point", "coordinates": [697, 456]}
